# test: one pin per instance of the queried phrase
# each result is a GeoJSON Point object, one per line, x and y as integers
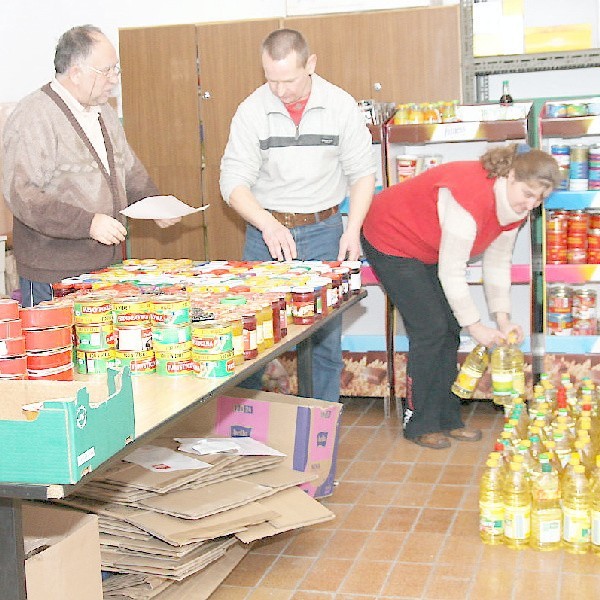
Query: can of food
{"type": "Point", "coordinates": [131, 309]}
{"type": "Point", "coordinates": [593, 256]}
{"type": "Point", "coordinates": [92, 308]}
{"type": "Point", "coordinates": [556, 110]}
{"type": "Point", "coordinates": [579, 168]}
{"type": "Point", "coordinates": [578, 222]}
{"type": "Point", "coordinates": [170, 310]}
{"type": "Point", "coordinates": [94, 336]}
{"type": "Point", "coordinates": [167, 335]}
{"type": "Point", "coordinates": [556, 255]}
{"type": "Point", "coordinates": [140, 363]}
{"type": "Point", "coordinates": [133, 338]}
{"type": "Point", "coordinates": [584, 303]}
{"type": "Point", "coordinates": [212, 337]}
{"type": "Point", "coordinates": [210, 366]}
{"type": "Point", "coordinates": [560, 299]}
{"type": "Point", "coordinates": [170, 368]}
{"type": "Point", "coordinates": [585, 326]}
{"type": "Point", "coordinates": [576, 109]}
{"type": "Point", "coordinates": [594, 219]}
{"type": "Point", "coordinates": [576, 256]}
{"type": "Point", "coordinates": [560, 323]}
{"type": "Point", "coordinates": [561, 153]}
{"type": "Point", "coordinates": [406, 166]}
{"type": "Point", "coordinates": [92, 362]}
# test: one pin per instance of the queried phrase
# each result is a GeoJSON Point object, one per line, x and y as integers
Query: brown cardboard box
{"type": "Point", "coordinates": [63, 549]}
{"type": "Point", "coordinates": [305, 429]}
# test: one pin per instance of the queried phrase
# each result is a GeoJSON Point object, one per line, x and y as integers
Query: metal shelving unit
{"type": "Point", "coordinates": [475, 70]}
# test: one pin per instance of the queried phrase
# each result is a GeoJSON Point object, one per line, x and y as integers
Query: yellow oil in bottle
{"type": "Point", "coordinates": [471, 371]}
{"type": "Point", "coordinates": [517, 507]}
{"type": "Point", "coordinates": [546, 513]}
{"type": "Point", "coordinates": [576, 512]}
{"type": "Point", "coordinates": [491, 506]}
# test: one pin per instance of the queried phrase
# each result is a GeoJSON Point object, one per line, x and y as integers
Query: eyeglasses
{"type": "Point", "coordinates": [107, 72]}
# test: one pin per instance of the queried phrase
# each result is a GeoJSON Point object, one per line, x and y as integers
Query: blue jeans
{"type": "Point", "coordinates": [313, 242]}
{"type": "Point", "coordinates": [34, 292]}
{"type": "Point", "coordinates": [433, 339]}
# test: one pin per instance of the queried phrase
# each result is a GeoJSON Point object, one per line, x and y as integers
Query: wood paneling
{"type": "Point", "coordinates": [414, 54]}
{"type": "Point", "coordinates": [230, 69]}
{"type": "Point", "coordinates": [160, 116]}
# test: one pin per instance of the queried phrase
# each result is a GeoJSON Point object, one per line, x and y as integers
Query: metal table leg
{"type": "Point", "coordinates": [304, 368]}
{"type": "Point", "coordinates": [12, 555]}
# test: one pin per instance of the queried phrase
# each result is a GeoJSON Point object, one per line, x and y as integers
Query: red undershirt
{"type": "Point", "coordinates": [295, 110]}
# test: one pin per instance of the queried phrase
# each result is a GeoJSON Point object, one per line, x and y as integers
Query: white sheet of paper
{"type": "Point", "coordinates": [160, 460]}
{"type": "Point", "coordinates": [160, 207]}
{"type": "Point", "coordinates": [243, 446]}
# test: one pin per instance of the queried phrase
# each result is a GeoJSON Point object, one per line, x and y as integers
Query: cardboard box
{"type": "Point", "coordinates": [305, 429]}
{"type": "Point", "coordinates": [78, 426]}
{"type": "Point", "coordinates": [64, 548]}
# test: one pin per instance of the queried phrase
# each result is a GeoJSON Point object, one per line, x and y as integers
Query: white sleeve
{"type": "Point", "coordinates": [458, 232]}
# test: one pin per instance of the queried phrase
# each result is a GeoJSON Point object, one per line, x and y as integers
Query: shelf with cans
{"type": "Point", "coordinates": [571, 228]}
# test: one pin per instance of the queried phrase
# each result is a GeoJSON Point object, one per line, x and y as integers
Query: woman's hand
{"type": "Point", "coordinates": [488, 336]}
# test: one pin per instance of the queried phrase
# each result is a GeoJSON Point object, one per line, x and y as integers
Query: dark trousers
{"type": "Point", "coordinates": [433, 339]}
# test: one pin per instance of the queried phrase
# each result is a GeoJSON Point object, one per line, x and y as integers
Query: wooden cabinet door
{"type": "Point", "coordinates": [160, 117]}
{"type": "Point", "coordinates": [230, 69]}
{"type": "Point", "coordinates": [408, 55]}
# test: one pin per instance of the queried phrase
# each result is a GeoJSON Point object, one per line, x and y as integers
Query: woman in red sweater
{"type": "Point", "coordinates": [419, 236]}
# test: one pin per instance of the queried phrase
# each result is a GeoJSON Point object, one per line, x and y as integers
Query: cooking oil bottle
{"type": "Point", "coordinates": [471, 371]}
{"type": "Point", "coordinates": [502, 374]}
{"type": "Point", "coordinates": [517, 507]}
{"type": "Point", "coordinates": [595, 492]}
{"type": "Point", "coordinates": [508, 370]}
{"type": "Point", "coordinates": [576, 512]}
{"type": "Point", "coordinates": [491, 507]}
{"type": "Point", "coordinates": [546, 514]}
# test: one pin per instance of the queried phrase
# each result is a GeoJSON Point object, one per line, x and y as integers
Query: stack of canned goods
{"type": "Point", "coordinates": [573, 237]}
{"type": "Point", "coordinates": [579, 166]}
{"type": "Point", "coordinates": [571, 310]}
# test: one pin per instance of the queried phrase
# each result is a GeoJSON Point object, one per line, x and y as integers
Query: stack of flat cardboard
{"type": "Point", "coordinates": [162, 530]}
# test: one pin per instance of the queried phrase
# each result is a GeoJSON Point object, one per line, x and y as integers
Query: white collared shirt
{"type": "Point", "coordinates": [87, 117]}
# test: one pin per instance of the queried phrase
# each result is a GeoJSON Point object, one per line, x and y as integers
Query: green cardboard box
{"type": "Point", "coordinates": [77, 427]}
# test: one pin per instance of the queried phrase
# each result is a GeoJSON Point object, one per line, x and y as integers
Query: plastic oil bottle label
{"type": "Point", "coordinates": [502, 383]}
{"type": "Point", "coordinates": [576, 525]}
{"type": "Point", "coordinates": [550, 528]}
{"type": "Point", "coordinates": [596, 527]}
{"type": "Point", "coordinates": [517, 523]}
{"type": "Point", "coordinates": [491, 518]}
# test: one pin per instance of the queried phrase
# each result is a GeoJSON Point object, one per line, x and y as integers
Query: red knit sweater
{"type": "Point", "coordinates": [403, 219]}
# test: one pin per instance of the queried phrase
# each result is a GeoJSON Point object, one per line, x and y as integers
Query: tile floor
{"type": "Point", "coordinates": [405, 527]}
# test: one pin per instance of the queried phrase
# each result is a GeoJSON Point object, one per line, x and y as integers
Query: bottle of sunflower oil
{"type": "Point", "coordinates": [576, 512]}
{"type": "Point", "coordinates": [471, 371]}
{"type": "Point", "coordinates": [595, 492]}
{"type": "Point", "coordinates": [502, 374]}
{"type": "Point", "coordinates": [546, 514]}
{"type": "Point", "coordinates": [491, 506]}
{"type": "Point", "coordinates": [517, 507]}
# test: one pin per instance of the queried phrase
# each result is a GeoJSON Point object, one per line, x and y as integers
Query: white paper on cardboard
{"type": "Point", "coordinates": [160, 207]}
{"type": "Point", "coordinates": [160, 460]}
{"type": "Point", "coordinates": [244, 446]}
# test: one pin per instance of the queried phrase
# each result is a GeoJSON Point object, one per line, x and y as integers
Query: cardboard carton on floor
{"type": "Point", "coordinates": [77, 428]}
{"type": "Point", "coordinates": [305, 429]}
{"type": "Point", "coordinates": [64, 553]}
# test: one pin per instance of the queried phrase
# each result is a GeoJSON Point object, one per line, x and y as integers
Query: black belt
{"type": "Point", "coordinates": [291, 220]}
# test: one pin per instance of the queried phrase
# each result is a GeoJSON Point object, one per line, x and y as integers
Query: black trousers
{"type": "Point", "coordinates": [433, 339]}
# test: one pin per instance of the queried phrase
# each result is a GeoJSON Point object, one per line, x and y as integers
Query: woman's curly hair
{"type": "Point", "coordinates": [534, 166]}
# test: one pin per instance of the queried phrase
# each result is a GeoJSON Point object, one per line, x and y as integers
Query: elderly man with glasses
{"type": "Point", "coordinates": [68, 169]}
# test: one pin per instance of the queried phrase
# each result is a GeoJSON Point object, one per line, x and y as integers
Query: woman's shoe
{"type": "Point", "coordinates": [436, 441]}
{"type": "Point", "coordinates": [464, 435]}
